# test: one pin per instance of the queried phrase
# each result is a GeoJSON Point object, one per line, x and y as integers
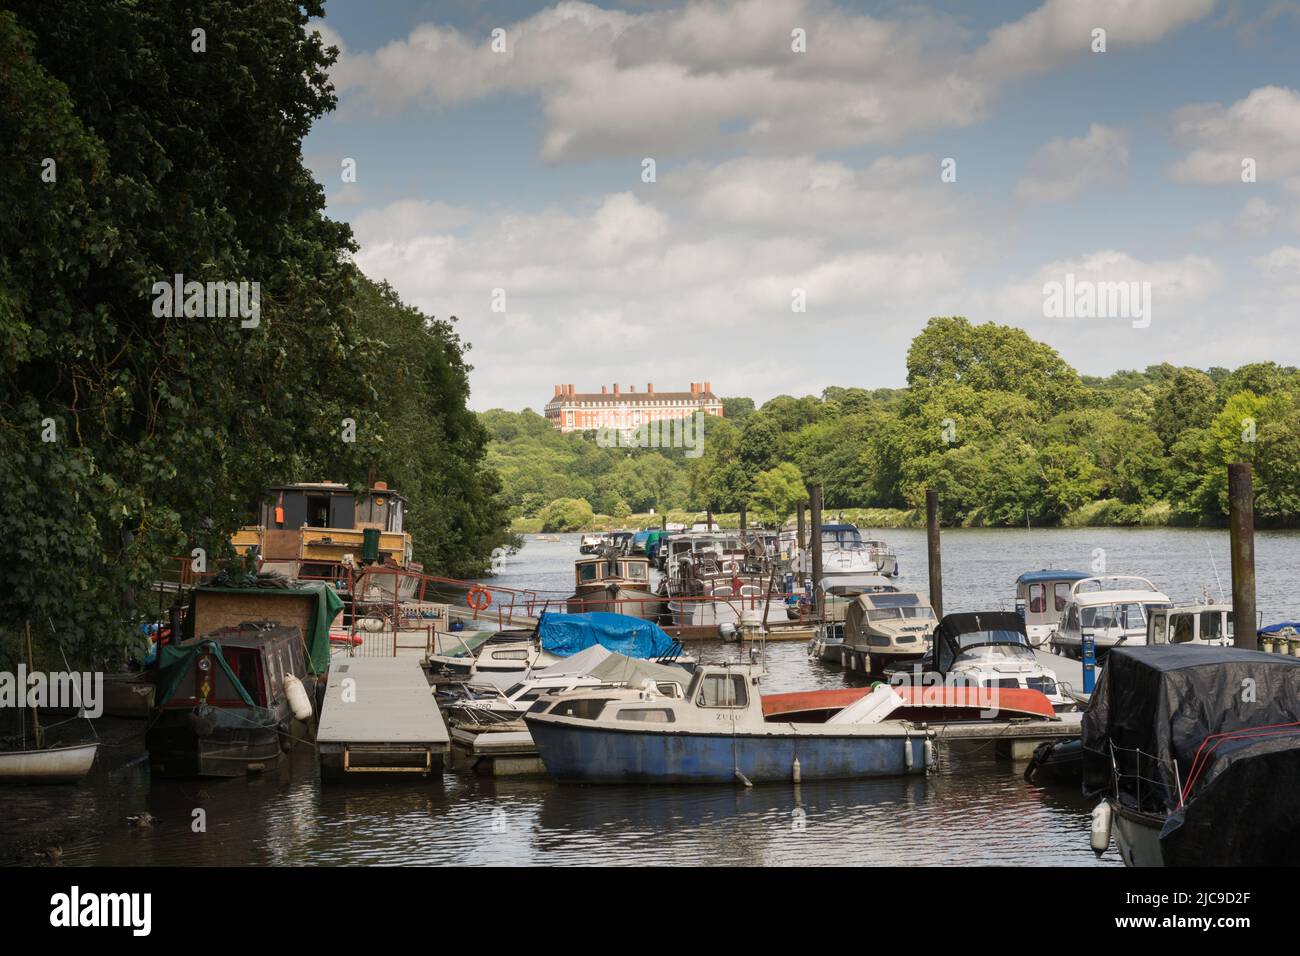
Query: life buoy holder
{"type": "Point", "coordinates": [478, 597]}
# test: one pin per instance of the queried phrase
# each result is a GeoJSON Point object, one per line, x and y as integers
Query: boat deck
{"type": "Point", "coordinates": [1069, 672]}
{"type": "Point", "coordinates": [380, 716]}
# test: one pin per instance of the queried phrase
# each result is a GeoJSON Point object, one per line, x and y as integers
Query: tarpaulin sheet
{"type": "Point", "coordinates": [1156, 708]}
{"type": "Point", "coordinates": [566, 634]}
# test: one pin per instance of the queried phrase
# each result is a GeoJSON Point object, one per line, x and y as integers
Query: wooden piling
{"type": "Point", "coordinates": [818, 598]}
{"type": "Point", "coordinates": [743, 521]}
{"type": "Point", "coordinates": [801, 539]}
{"type": "Point", "coordinates": [1241, 520]}
{"type": "Point", "coordinates": [932, 548]}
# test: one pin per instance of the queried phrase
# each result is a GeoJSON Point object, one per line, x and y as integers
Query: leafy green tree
{"type": "Point", "coordinates": [566, 514]}
{"type": "Point", "coordinates": [777, 492]}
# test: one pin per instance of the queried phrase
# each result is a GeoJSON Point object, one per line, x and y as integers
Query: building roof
{"type": "Point", "coordinates": [633, 398]}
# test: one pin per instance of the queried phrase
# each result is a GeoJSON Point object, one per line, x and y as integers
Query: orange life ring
{"type": "Point", "coordinates": [478, 597]}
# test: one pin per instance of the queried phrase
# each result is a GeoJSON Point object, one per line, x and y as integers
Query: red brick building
{"type": "Point", "coordinates": [572, 411]}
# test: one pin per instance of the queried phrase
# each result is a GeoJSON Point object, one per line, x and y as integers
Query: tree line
{"type": "Point", "coordinates": [131, 152]}
{"type": "Point", "coordinates": [1006, 430]}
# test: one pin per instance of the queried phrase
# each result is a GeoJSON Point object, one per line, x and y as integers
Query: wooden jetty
{"type": "Point", "coordinates": [380, 717]}
{"type": "Point", "coordinates": [1015, 739]}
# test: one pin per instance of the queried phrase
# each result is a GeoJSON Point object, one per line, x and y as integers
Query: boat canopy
{"type": "Point", "coordinates": [176, 664]}
{"type": "Point", "coordinates": [1047, 575]}
{"type": "Point", "coordinates": [958, 633]}
{"type": "Point", "coordinates": [1196, 731]}
{"type": "Point", "coordinates": [566, 634]}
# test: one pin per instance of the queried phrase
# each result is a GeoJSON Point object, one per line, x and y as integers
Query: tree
{"type": "Point", "coordinates": [566, 514]}
{"type": "Point", "coordinates": [777, 492]}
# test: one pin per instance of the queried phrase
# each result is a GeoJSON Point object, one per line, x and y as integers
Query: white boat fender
{"type": "Point", "coordinates": [796, 774]}
{"type": "Point", "coordinates": [1101, 819]}
{"type": "Point", "coordinates": [907, 752]}
{"type": "Point", "coordinates": [929, 753]}
{"type": "Point", "coordinates": [299, 703]}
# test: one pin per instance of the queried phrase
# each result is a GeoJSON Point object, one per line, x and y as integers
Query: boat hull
{"type": "Point", "coordinates": [178, 747]}
{"type": "Point", "coordinates": [1137, 836]}
{"type": "Point", "coordinates": [607, 755]}
{"type": "Point", "coordinates": [634, 602]}
{"type": "Point", "coordinates": [51, 765]}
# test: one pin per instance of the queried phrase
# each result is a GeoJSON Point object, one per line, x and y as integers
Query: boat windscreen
{"type": "Point", "coordinates": [897, 599]}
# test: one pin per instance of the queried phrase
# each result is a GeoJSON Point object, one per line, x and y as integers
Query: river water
{"type": "Point", "coordinates": [975, 809]}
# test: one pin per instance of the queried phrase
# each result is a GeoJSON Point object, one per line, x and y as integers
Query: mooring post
{"type": "Point", "coordinates": [801, 541]}
{"type": "Point", "coordinates": [743, 522]}
{"type": "Point", "coordinates": [663, 521]}
{"type": "Point", "coordinates": [708, 518]}
{"type": "Point", "coordinates": [932, 546]}
{"type": "Point", "coordinates": [1241, 521]}
{"type": "Point", "coordinates": [817, 550]}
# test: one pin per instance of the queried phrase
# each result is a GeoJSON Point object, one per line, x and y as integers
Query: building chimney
{"type": "Point", "coordinates": [631, 388]}
{"type": "Point", "coordinates": [708, 387]}
{"type": "Point", "coordinates": [604, 390]}
{"type": "Point", "coordinates": [650, 388]}
{"type": "Point", "coordinates": [616, 388]}
{"type": "Point", "coordinates": [570, 390]}
{"type": "Point", "coordinates": [695, 388]}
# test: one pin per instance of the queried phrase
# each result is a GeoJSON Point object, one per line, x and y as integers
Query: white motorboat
{"type": "Point", "coordinates": [987, 650]}
{"type": "Point", "coordinates": [845, 553]}
{"type": "Point", "coordinates": [1112, 610]}
{"type": "Point", "coordinates": [1203, 623]}
{"type": "Point", "coordinates": [1041, 598]}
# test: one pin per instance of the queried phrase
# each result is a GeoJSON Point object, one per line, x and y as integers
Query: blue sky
{"type": "Point", "coordinates": [521, 171]}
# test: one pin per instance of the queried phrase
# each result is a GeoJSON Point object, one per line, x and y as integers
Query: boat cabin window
{"type": "Point", "coordinates": [1062, 596]}
{"type": "Point", "coordinates": [589, 571]}
{"type": "Point", "coordinates": [723, 690]}
{"type": "Point", "coordinates": [1212, 625]}
{"type": "Point", "coordinates": [1115, 616]}
{"type": "Point", "coordinates": [669, 689]}
{"type": "Point", "coordinates": [1184, 628]}
{"type": "Point", "coordinates": [893, 606]}
{"type": "Point", "coordinates": [519, 655]}
{"type": "Point", "coordinates": [586, 708]}
{"type": "Point", "coordinates": [635, 570]}
{"type": "Point", "coordinates": [1037, 599]}
{"type": "Point", "coordinates": [652, 715]}
{"type": "Point", "coordinates": [1072, 621]}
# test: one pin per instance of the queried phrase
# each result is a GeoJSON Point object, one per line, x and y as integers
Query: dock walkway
{"type": "Point", "coordinates": [380, 716]}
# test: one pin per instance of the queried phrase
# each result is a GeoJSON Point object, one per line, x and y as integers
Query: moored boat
{"type": "Point", "coordinates": [227, 701]}
{"type": "Point", "coordinates": [1195, 752]}
{"type": "Point", "coordinates": [47, 765]}
{"type": "Point", "coordinates": [985, 649]}
{"type": "Point", "coordinates": [1112, 610]}
{"type": "Point", "coordinates": [886, 627]}
{"type": "Point", "coordinates": [615, 583]}
{"type": "Point", "coordinates": [717, 733]}
{"type": "Point", "coordinates": [1041, 598]}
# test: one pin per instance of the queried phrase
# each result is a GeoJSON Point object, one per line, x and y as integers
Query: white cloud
{"type": "Point", "coordinates": [722, 73]}
{"type": "Point", "coordinates": [1263, 126]}
{"type": "Point", "coordinates": [1065, 168]}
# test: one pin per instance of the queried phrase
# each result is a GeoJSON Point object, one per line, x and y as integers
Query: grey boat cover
{"type": "Point", "coordinates": [1207, 739]}
{"type": "Point", "coordinates": [616, 668]}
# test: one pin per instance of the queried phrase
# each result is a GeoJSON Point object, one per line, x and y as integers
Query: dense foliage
{"type": "Point", "coordinates": [1000, 424]}
{"type": "Point", "coordinates": [127, 437]}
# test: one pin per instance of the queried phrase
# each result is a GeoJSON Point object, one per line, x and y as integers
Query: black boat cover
{"type": "Point", "coordinates": [1206, 739]}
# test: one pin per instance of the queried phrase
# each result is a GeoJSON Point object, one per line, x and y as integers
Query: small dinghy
{"type": "Point", "coordinates": [47, 765]}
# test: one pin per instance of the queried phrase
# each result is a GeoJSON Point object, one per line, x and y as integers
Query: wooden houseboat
{"type": "Point", "coordinates": [319, 531]}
